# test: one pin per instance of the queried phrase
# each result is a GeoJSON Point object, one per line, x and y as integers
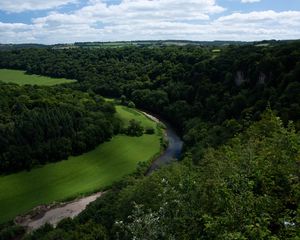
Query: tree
{"type": "Point", "coordinates": [131, 104]}
{"type": "Point", "coordinates": [134, 128]}
{"type": "Point", "coordinates": [123, 100]}
{"type": "Point", "coordinates": [149, 130]}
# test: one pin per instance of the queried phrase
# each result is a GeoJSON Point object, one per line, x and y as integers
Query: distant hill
{"type": "Point", "coordinates": [142, 43]}
{"type": "Point", "coordinates": [21, 46]}
{"type": "Point", "coordinates": [158, 43]}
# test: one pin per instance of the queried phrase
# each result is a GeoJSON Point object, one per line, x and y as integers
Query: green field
{"type": "Point", "coordinates": [94, 170]}
{"type": "Point", "coordinates": [21, 78]}
{"type": "Point", "coordinates": [126, 114]}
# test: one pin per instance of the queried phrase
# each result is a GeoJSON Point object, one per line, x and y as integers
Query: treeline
{"type": "Point", "coordinates": [206, 92]}
{"type": "Point", "coordinates": [246, 189]}
{"type": "Point", "coordinates": [40, 125]}
{"type": "Point", "coordinates": [183, 82]}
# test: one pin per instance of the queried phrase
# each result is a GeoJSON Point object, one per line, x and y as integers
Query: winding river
{"type": "Point", "coordinates": [71, 209]}
{"type": "Point", "coordinates": [173, 150]}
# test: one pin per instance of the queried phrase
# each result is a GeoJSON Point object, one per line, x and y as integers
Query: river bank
{"type": "Point", "coordinates": [54, 213]}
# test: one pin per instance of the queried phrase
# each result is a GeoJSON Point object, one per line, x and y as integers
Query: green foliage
{"type": "Point", "coordinates": [11, 232]}
{"type": "Point", "coordinates": [246, 189]}
{"type": "Point", "coordinates": [142, 225]}
{"type": "Point", "coordinates": [243, 188]}
{"type": "Point", "coordinates": [70, 231]}
{"type": "Point", "coordinates": [134, 128]}
{"type": "Point", "coordinates": [179, 83]}
{"type": "Point", "coordinates": [40, 125]}
{"type": "Point", "coordinates": [218, 87]}
{"type": "Point", "coordinates": [149, 130]}
{"type": "Point", "coordinates": [131, 104]}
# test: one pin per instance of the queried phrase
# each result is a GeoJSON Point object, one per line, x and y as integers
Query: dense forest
{"type": "Point", "coordinates": [181, 82]}
{"type": "Point", "coordinates": [239, 174]}
{"type": "Point", "coordinates": [246, 189]}
{"type": "Point", "coordinates": [40, 125]}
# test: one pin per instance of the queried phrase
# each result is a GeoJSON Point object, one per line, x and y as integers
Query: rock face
{"type": "Point", "coordinates": [261, 78]}
{"type": "Point", "coordinates": [240, 78]}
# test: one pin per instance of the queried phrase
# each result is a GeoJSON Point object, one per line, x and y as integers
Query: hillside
{"type": "Point", "coordinates": [237, 109]}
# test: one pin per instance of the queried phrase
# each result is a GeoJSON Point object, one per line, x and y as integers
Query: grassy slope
{"type": "Point", "coordinates": [126, 114]}
{"type": "Point", "coordinates": [99, 168]}
{"type": "Point", "coordinates": [19, 77]}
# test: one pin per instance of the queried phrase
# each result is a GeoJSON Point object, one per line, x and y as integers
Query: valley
{"type": "Point", "coordinates": [85, 152]}
{"type": "Point", "coordinates": [79, 175]}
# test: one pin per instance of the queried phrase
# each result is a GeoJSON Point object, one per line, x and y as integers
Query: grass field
{"type": "Point", "coordinates": [126, 114]}
{"type": "Point", "coordinates": [21, 78]}
{"type": "Point", "coordinates": [94, 170]}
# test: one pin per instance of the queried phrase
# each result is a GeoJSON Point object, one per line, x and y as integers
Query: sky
{"type": "Point", "coordinates": [68, 21]}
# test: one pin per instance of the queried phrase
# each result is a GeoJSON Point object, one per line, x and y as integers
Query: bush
{"type": "Point", "coordinates": [149, 130]}
{"type": "Point", "coordinates": [11, 232]}
{"type": "Point", "coordinates": [131, 104]}
{"type": "Point", "coordinates": [135, 128]}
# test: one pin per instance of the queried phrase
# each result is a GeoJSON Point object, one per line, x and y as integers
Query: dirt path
{"type": "Point", "coordinates": [151, 117]}
{"type": "Point", "coordinates": [43, 214]}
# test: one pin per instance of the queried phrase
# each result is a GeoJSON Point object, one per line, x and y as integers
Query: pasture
{"type": "Point", "coordinates": [21, 78]}
{"type": "Point", "coordinates": [89, 172]}
{"type": "Point", "coordinates": [126, 114]}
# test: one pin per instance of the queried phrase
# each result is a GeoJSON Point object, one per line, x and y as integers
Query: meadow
{"type": "Point", "coordinates": [21, 78]}
{"type": "Point", "coordinates": [126, 114]}
{"type": "Point", "coordinates": [94, 170]}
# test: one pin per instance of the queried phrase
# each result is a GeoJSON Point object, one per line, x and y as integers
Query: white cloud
{"type": "Point", "coordinates": [250, 1]}
{"type": "Point", "coordinates": [157, 19]}
{"type": "Point", "coordinates": [16, 32]}
{"type": "Point", "coordinates": [267, 19]}
{"type": "Point", "coordinates": [138, 10]}
{"type": "Point", "coordinates": [31, 5]}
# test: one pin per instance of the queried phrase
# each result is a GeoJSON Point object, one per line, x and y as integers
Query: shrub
{"type": "Point", "coordinates": [135, 128]}
{"type": "Point", "coordinates": [149, 130]}
{"type": "Point", "coordinates": [131, 104]}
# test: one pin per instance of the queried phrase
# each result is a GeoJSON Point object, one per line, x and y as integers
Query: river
{"type": "Point", "coordinates": [173, 151]}
{"type": "Point", "coordinates": [71, 209]}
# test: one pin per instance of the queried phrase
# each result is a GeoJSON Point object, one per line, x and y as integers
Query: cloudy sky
{"type": "Point", "coordinates": [65, 21]}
